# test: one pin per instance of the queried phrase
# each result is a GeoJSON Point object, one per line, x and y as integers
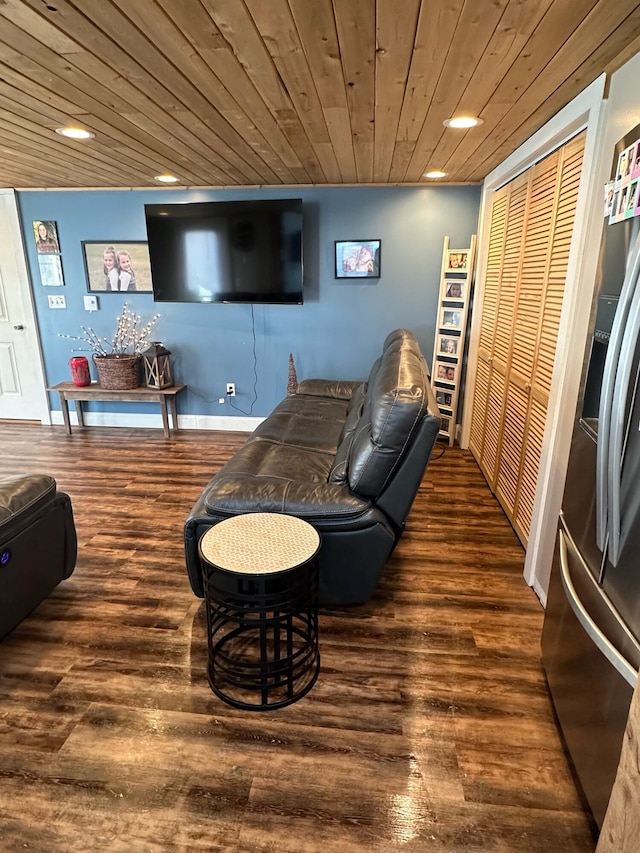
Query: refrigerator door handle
{"type": "Point", "coordinates": [607, 391]}
{"type": "Point", "coordinates": [620, 663]}
{"type": "Point", "coordinates": [618, 422]}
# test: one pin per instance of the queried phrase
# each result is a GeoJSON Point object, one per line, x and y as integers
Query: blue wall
{"type": "Point", "coordinates": [339, 330]}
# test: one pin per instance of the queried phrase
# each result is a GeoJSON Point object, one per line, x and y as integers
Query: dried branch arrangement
{"type": "Point", "coordinates": [131, 337]}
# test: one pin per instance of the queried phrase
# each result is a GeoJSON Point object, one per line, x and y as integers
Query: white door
{"type": "Point", "coordinates": [22, 383]}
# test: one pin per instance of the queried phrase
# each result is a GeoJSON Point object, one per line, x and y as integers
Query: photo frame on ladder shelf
{"type": "Point", "coordinates": [457, 260]}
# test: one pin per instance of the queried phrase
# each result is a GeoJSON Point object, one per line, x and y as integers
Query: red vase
{"type": "Point", "coordinates": [80, 371]}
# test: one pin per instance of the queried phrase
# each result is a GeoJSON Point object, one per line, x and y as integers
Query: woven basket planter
{"type": "Point", "coordinates": [118, 372]}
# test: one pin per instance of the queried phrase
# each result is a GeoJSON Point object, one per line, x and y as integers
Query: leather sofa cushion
{"type": "Point", "coordinates": [338, 473]}
{"type": "Point", "coordinates": [264, 457]}
{"type": "Point", "coordinates": [305, 421]}
{"type": "Point", "coordinates": [395, 402]}
{"type": "Point", "coordinates": [265, 476]}
{"type": "Point", "coordinates": [237, 493]}
{"type": "Point", "coordinates": [339, 388]}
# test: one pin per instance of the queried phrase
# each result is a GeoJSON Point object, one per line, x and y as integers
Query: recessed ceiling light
{"type": "Point", "coordinates": [166, 179]}
{"type": "Point", "coordinates": [462, 122]}
{"type": "Point", "coordinates": [75, 132]}
{"type": "Point", "coordinates": [436, 173]}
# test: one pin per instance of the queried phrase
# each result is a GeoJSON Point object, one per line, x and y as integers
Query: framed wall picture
{"type": "Point", "coordinates": [113, 267]}
{"type": "Point", "coordinates": [448, 345]}
{"type": "Point", "coordinates": [457, 260]}
{"type": "Point", "coordinates": [50, 266]}
{"type": "Point", "coordinates": [357, 258]}
{"type": "Point", "coordinates": [454, 289]}
{"type": "Point", "coordinates": [45, 232]}
{"type": "Point", "coordinates": [445, 372]}
{"type": "Point", "coordinates": [444, 398]}
{"type": "Point", "coordinates": [451, 318]}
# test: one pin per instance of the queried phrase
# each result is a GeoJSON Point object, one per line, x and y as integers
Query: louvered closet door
{"type": "Point", "coordinates": [568, 184]}
{"type": "Point", "coordinates": [486, 451]}
{"type": "Point", "coordinates": [528, 252]}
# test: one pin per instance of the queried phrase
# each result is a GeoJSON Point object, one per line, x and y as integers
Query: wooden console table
{"type": "Point", "coordinates": [69, 391]}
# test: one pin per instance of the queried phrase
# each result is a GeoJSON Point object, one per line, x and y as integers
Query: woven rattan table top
{"type": "Point", "coordinates": [259, 543]}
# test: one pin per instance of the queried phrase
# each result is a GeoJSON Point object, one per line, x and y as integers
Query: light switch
{"type": "Point", "coordinates": [90, 302]}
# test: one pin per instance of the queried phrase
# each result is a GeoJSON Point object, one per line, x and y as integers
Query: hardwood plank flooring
{"type": "Point", "coordinates": [430, 727]}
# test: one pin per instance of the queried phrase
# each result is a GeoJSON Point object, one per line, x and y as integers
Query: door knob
{"type": "Point", "coordinates": [19, 327]}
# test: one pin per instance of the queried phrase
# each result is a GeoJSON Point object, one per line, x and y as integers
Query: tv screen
{"type": "Point", "coordinates": [226, 251]}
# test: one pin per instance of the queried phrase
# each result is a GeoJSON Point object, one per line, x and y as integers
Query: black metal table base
{"type": "Point", "coordinates": [263, 635]}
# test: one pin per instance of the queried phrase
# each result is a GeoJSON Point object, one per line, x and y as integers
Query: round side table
{"type": "Point", "coordinates": [261, 592]}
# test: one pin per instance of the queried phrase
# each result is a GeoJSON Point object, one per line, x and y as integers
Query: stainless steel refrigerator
{"type": "Point", "coordinates": [591, 634]}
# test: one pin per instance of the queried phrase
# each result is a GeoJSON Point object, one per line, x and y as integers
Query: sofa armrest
{"type": "Point", "coordinates": [336, 388]}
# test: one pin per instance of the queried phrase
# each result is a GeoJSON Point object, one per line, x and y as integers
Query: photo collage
{"type": "Point", "coordinates": [450, 332]}
{"type": "Point", "coordinates": [622, 196]}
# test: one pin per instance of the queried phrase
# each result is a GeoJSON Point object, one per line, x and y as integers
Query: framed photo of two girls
{"type": "Point", "coordinates": [113, 266]}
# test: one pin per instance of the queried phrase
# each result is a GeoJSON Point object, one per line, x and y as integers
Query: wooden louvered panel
{"type": "Point", "coordinates": [510, 269]}
{"type": "Point", "coordinates": [569, 175]}
{"type": "Point", "coordinates": [544, 177]}
{"type": "Point", "coordinates": [544, 366]}
{"type": "Point", "coordinates": [493, 426]}
{"type": "Point", "coordinates": [495, 256]}
{"type": "Point", "coordinates": [480, 399]}
{"type": "Point", "coordinates": [529, 471]}
{"type": "Point", "coordinates": [535, 253]}
{"type": "Point", "coordinates": [525, 337]}
{"type": "Point", "coordinates": [515, 419]}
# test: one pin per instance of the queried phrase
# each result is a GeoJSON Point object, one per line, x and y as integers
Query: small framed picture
{"type": "Point", "coordinates": [608, 198]}
{"type": "Point", "coordinates": [45, 232]}
{"type": "Point", "coordinates": [630, 160]}
{"type": "Point", "coordinates": [444, 398]}
{"type": "Point", "coordinates": [445, 372]}
{"type": "Point", "coordinates": [444, 425]}
{"type": "Point", "coordinates": [451, 318]}
{"type": "Point", "coordinates": [457, 260]}
{"type": "Point", "coordinates": [625, 163]}
{"type": "Point", "coordinates": [635, 171]}
{"type": "Point", "coordinates": [448, 345]}
{"type": "Point", "coordinates": [614, 207]}
{"type": "Point", "coordinates": [357, 258]}
{"type": "Point", "coordinates": [632, 199]}
{"type": "Point", "coordinates": [622, 206]}
{"type": "Point", "coordinates": [454, 289]}
{"type": "Point", "coordinates": [113, 267]}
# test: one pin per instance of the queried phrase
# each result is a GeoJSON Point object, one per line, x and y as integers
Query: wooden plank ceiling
{"type": "Point", "coordinates": [275, 92]}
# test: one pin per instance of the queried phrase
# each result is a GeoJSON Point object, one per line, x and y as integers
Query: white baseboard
{"type": "Point", "coordinates": [154, 421]}
{"type": "Point", "coordinates": [540, 592]}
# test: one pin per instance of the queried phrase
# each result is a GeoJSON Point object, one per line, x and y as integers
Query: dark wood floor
{"type": "Point", "coordinates": [430, 727]}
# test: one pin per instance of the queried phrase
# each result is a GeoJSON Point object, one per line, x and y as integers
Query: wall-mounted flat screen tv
{"type": "Point", "coordinates": [226, 251]}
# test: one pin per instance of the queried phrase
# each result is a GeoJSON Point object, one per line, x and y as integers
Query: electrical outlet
{"type": "Point", "coordinates": [221, 399]}
{"type": "Point", "coordinates": [57, 301]}
{"type": "Point", "coordinates": [90, 302]}
{"type": "Point", "coordinates": [231, 389]}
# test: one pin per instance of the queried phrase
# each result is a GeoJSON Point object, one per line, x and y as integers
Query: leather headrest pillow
{"type": "Point", "coordinates": [394, 405]}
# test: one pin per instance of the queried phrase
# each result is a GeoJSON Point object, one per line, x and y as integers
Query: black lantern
{"type": "Point", "coordinates": [157, 367]}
